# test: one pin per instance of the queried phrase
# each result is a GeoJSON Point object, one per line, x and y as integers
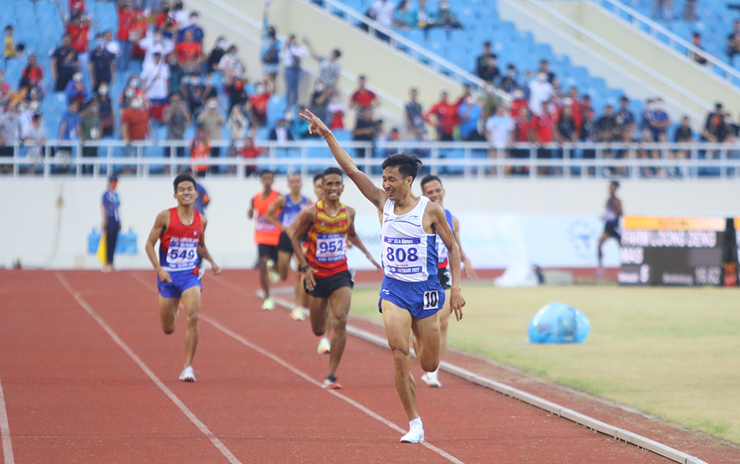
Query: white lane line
{"type": "Point", "coordinates": [5, 429]}
{"type": "Point", "coordinates": [300, 373]}
{"type": "Point", "coordinates": [188, 413]}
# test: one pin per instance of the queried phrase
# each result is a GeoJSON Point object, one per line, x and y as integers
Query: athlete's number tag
{"type": "Point", "coordinates": [401, 255]}
{"type": "Point", "coordinates": [182, 255]}
{"type": "Point", "coordinates": [263, 225]}
{"type": "Point", "coordinates": [431, 299]}
{"type": "Point", "coordinates": [330, 247]}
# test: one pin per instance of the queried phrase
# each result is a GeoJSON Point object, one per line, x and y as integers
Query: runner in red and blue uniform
{"type": "Point", "coordinates": [181, 235]}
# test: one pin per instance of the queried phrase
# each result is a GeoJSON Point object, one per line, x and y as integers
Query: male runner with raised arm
{"type": "Point", "coordinates": [326, 277]}
{"type": "Point", "coordinates": [431, 187]}
{"type": "Point", "coordinates": [181, 235]}
{"type": "Point", "coordinates": [288, 207]}
{"type": "Point", "coordinates": [411, 294]}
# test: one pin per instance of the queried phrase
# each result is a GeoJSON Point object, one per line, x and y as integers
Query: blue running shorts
{"type": "Point", "coordinates": [181, 281]}
{"type": "Point", "coordinates": [421, 299]}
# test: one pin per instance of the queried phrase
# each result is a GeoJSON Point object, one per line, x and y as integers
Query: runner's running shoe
{"type": "Point", "coordinates": [268, 304]}
{"type": "Point", "coordinates": [331, 383]}
{"type": "Point", "coordinates": [324, 346]}
{"type": "Point", "coordinates": [431, 379]}
{"type": "Point", "coordinates": [415, 435]}
{"type": "Point", "coordinates": [187, 374]}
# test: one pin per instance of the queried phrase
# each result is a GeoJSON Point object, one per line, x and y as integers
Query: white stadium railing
{"type": "Point", "coordinates": [469, 160]}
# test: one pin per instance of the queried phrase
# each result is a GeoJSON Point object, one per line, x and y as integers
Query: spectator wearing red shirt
{"type": "Point", "coordinates": [190, 54]}
{"type": "Point", "coordinates": [32, 74]}
{"type": "Point", "coordinates": [79, 30]}
{"type": "Point", "coordinates": [126, 20]}
{"type": "Point", "coordinates": [135, 125]}
{"type": "Point", "coordinates": [543, 127]}
{"type": "Point", "coordinates": [249, 151]}
{"type": "Point", "coordinates": [446, 114]}
{"type": "Point", "coordinates": [257, 106]}
{"type": "Point", "coordinates": [363, 98]}
{"type": "Point", "coordinates": [523, 133]}
{"type": "Point", "coordinates": [76, 6]}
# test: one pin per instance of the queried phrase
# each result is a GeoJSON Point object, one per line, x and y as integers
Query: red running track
{"type": "Point", "coordinates": [74, 394]}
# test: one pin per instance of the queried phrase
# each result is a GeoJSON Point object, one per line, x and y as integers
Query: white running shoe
{"type": "Point", "coordinates": [415, 435]}
{"type": "Point", "coordinates": [431, 379]}
{"type": "Point", "coordinates": [324, 346]}
{"type": "Point", "coordinates": [187, 374]}
{"type": "Point", "coordinates": [298, 314]}
{"type": "Point", "coordinates": [268, 304]}
{"type": "Point", "coordinates": [272, 273]}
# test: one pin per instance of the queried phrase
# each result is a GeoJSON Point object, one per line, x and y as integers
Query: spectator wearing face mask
{"type": "Point", "coordinates": [102, 67]}
{"type": "Point", "coordinates": [469, 112]}
{"type": "Point", "coordinates": [190, 54]}
{"type": "Point", "coordinates": [69, 127]}
{"type": "Point", "coordinates": [176, 74]}
{"type": "Point", "coordinates": [126, 34]}
{"type": "Point", "coordinates": [282, 132]}
{"type": "Point", "coordinates": [179, 15]}
{"type": "Point", "coordinates": [156, 78]}
{"type": "Point", "coordinates": [111, 45]}
{"type": "Point", "coordinates": [64, 64]}
{"type": "Point", "coordinates": [218, 52]}
{"type": "Point", "coordinates": [177, 117]}
{"type": "Point", "coordinates": [329, 68]}
{"type": "Point", "coordinates": [292, 56]}
{"type": "Point", "coordinates": [213, 121]}
{"type": "Point", "coordinates": [132, 90]}
{"type": "Point", "coordinates": [79, 30]}
{"type": "Point", "coordinates": [33, 75]}
{"type": "Point", "coordinates": [200, 149]}
{"type": "Point", "coordinates": [540, 91]}
{"type": "Point", "coordinates": [135, 126]}
{"type": "Point", "coordinates": [486, 63]}
{"type": "Point", "coordinates": [192, 27]}
{"type": "Point", "coordinates": [107, 117]}
{"type": "Point", "coordinates": [155, 43]}
{"type": "Point", "coordinates": [76, 89]}
{"type": "Point", "coordinates": [231, 66]}
{"type": "Point", "coordinates": [509, 82]}
{"type": "Point", "coordinates": [237, 94]}
{"type": "Point", "coordinates": [320, 100]}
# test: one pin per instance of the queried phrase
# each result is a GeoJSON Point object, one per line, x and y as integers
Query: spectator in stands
{"type": "Point", "coordinates": [155, 43]}
{"type": "Point", "coordinates": [469, 113]}
{"type": "Point", "coordinates": [499, 132]}
{"type": "Point", "coordinates": [231, 66]}
{"type": "Point", "coordinates": [192, 27]}
{"type": "Point", "coordinates": [10, 133]}
{"type": "Point", "coordinates": [34, 140]}
{"type": "Point", "coordinates": [238, 125]}
{"type": "Point", "coordinates": [200, 150]}
{"type": "Point", "coordinates": [26, 116]}
{"type": "Point", "coordinates": [467, 91]}
{"type": "Point", "coordinates": [293, 54]}
{"type": "Point", "coordinates": [625, 121]}
{"type": "Point", "coordinates": [446, 118]}
{"type": "Point", "coordinates": [689, 11]}
{"type": "Point", "coordinates": [489, 101]}
{"type": "Point", "coordinates": [135, 126]}
{"type": "Point", "coordinates": [126, 36]}
{"type": "Point", "coordinates": [445, 17]}
{"type": "Point", "coordinates": [320, 100]}
{"type": "Point", "coordinates": [699, 58]}
{"type": "Point", "coordinates": [300, 125]}
{"type": "Point", "coordinates": [269, 53]}
{"type": "Point", "coordinates": [76, 89]}
{"type": "Point", "coordinates": [607, 129]}
{"type": "Point", "coordinates": [64, 63]}
{"type": "Point", "coordinates": [89, 131]}
{"type": "Point", "coordinates": [281, 132]}
{"type": "Point", "coordinates": [155, 78]}
{"type": "Point", "coordinates": [518, 101]}
{"type": "Point", "coordinates": [8, 44]}
{"type": "Point", "coordinates": [540, 91]}
{"type": "Point", "coordinates": [192, 90]}
{"type": "Point", "coordinates": [403, 16]}
{"type": "Point", "coordinates": [336, 110]}
{"type": "Point", "coordinates": [79, 30]}
{"type": "Point", "coordinates": [111, 45]}
{"type": "Point", "coordinates": [32, 76]}
{"type": "Point", "coordinates": [586, 134]}
{"type": "Point", "coordinates": [683, 135]}
{"type": "Point", "coordinates": [382, 12]}
{"type": "Point", "coordinates": [545, 68]}
{"type": "Point", "coordinates": [161, 18]}
{"type": "Point", "coordinates": [131, 91]}
{"type": "Point", "coordinates": [218, 52]}
{"type": "Point", "coordinates": [213, 121]}
{"type": "Point", "coordinates": [329, 68]}
{"type": "Point", "coordinates": [176, 74]}
{"type": "Point", "coordinates": [525, 81]}
{"type": "Point", "coordinates": [237, 94]}
{"type": "Point", "coordinates": [508, 82]}
{"type": "Point", "coordinates": [107, 117]}
{"type": "Point", "coordinates": [663, 10]}
{"type": "Point", "coordinates": [69, 127]}
{"type": "Point", "coordinates": [486, 63]}
{"type": "Point", "coordinates": [5, 92]}
{"type": "Point", "coordinates": [718, 111]}
{"type": "Point", "coordinates": [523, 133]}
{"type": "Point", "coordinates": [365, 130]}
{"type": "Point", "coordinates": [249, 151]}
{"type": "Point", "coordinates": [733, 42]}
{"type": "Point", "coordinates": [179, 15]}
{"type": "Point", "coordinates": [414, 116]}
{"type": "Point", "coordinates": [659, 121]}
{"type": "Point", "coordinates": [566, 126]}
{"type": "Point", "coordinates": [543, 127]}
{"type": "Point", "coordinates": [190, 54]}
{"type": "Point", "coordinates": [209, 90]}
{"type": "Point", "coordinates": [716, 131]}
{"type": "Point", "coordinates": [102, 67]}
{"type": "Point", "coordinates": [177, 118]}
{"type": "Point", "coordinates": [363, 97]}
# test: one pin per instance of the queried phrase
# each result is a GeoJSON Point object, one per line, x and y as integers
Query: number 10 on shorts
{"type": "Point", "coordinates": [431, 299]}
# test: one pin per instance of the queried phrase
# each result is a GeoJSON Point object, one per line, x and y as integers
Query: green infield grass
{"type": "Point", "coordinates": [670, 352]}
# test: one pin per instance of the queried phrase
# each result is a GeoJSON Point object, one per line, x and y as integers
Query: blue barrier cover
{"type": "Point", "coordinates": [126, 244]}
{"type": "Point", "coordinates": [558, 323]}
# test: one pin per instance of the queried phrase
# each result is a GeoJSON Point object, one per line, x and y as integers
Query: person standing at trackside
{"type": "Point", "coordinates": [411, 294]}
{"type": "Point", "coordinates": [110, 210]}
{"type": "Point", "coordinates": [181, 235]}
{"type": "Point", "coordinates": [328, 225]}
{"type": "Point", "coordinates": [431, 187]}
{"type": "Point", "coordinates": [289, 206]}
{"type": "Point", "coordinates": [266, 236]}
{"type": "Point", "coordinates": [611, 217]}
